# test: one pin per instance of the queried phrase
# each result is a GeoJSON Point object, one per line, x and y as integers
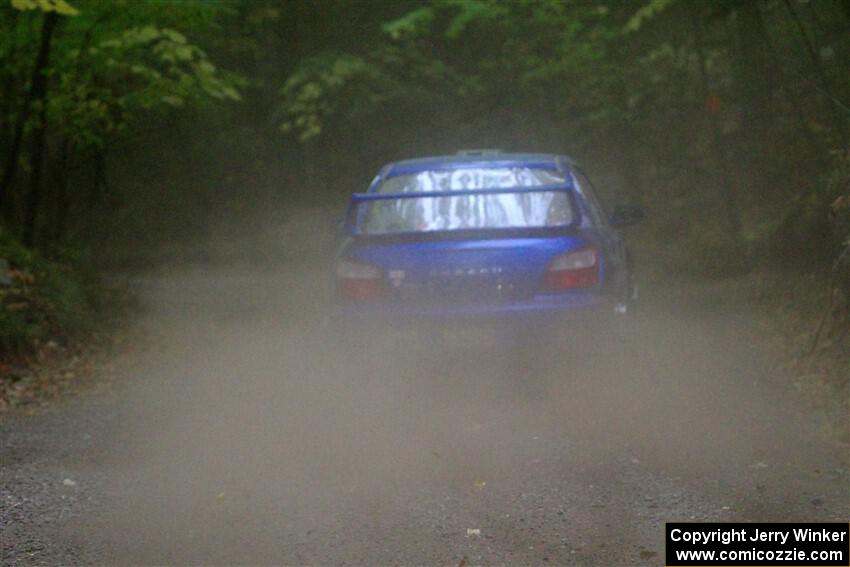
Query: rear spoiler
{"type": "Point", "coordinates": [358, 198]}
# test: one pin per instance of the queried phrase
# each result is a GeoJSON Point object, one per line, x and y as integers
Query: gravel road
{"type": "Point", "coordinates": [240, 432]}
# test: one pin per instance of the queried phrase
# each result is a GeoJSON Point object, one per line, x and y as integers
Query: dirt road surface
{"type": "Point", "coordinates": [241, 432]}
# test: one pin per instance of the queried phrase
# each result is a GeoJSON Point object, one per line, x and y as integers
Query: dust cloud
{"type": "Point", "coordinates": [252, 434]}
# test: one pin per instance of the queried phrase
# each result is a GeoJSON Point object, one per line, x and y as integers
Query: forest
{"type": "Point", "coordinates": [200, 366]}
{"type": "Point", "coordinates": [137, 132]}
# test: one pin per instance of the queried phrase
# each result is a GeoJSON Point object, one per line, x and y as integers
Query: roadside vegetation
{"type": "Point", "coordinates": [41, 299]}
{"type": "Point", "coordinates": [137, 132]}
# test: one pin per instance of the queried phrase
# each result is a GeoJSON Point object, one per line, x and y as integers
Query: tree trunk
{"type": "Point", "coordinates": [36, 166]}
{"type": "Point", "coordinates": [36, 95]}
{"type": "Point", "coordinates": [845, 6]}
{"type": "Point", "coordinates": [754, 80]}
{"type": "Point", "coordinates": [721, 163]}
{"type": "Point", "coordinates": [837, 115]}
{"type": "Point", "coordinates": [817, 149]}
{"type": "Point", "coordinates": [628, 156]}
{"type": "Point", "coordinates": [9, 86]}
{"type": "Point", "coordinates": [100, 182]}
{"type": "Point", "coordinates": [39, 97]}
{"type": "Point", "coordinates": [62, 204]}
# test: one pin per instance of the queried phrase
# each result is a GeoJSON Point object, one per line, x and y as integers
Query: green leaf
{"type": "Point", "coordinates": [173, 100]}
{"type": "Point", "coordinates": [647, 12]}
{"type": "Point", "coordinates": [470, 11]}
{"type": "Point", "coordinates": [413, 23]}
{"type": "Point", "coordinates": [174, 36]}
{"type": "Point", "coordinates": [61, 7]}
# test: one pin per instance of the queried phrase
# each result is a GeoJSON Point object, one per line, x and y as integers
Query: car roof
{"type": "Point", "coordinates": [477, 158]}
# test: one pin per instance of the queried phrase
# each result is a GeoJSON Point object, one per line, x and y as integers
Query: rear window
{"type": "Point", "coordinates": [470, 178]}
{"type": "Point", "coordinates": [465, 212]}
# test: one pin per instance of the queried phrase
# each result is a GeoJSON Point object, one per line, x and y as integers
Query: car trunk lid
{"type": "Point", "coordinates": [495, 270]}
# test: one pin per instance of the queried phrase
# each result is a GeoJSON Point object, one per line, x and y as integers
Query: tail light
{"type": "Point", "coordinates": [355, 280]}
{"type": "Point", "coordinates": [574, 270]}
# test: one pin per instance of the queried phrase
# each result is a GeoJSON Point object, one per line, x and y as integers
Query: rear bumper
{"type": "Point", "coordinates": [562, 314]}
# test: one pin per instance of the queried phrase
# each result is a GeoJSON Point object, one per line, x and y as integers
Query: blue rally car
{"type": "Point", "coordinates": [515, 241]}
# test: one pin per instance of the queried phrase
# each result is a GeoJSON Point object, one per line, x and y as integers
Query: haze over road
{"type": "Point", "coordinates": [240, 432]}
